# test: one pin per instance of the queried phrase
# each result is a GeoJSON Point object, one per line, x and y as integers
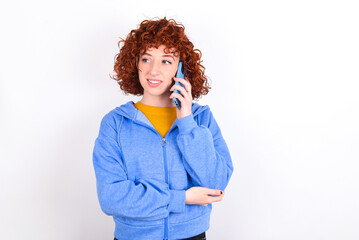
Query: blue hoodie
{"type": "Point", "coordinates": [142, 177]}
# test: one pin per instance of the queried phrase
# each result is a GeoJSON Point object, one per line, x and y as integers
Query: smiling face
{"type": "Point", "coordinates": [156, 70]}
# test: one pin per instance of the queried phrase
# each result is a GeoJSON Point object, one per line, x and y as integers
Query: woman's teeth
{"type": "Point", "coordinates": [154, 81]}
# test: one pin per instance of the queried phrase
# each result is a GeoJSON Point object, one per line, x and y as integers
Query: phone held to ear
{"type": "Point", "coordinates": [180, 74]}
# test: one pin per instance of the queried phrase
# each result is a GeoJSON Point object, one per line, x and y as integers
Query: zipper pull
{"type": "Point", "coordinates": [163, 142]}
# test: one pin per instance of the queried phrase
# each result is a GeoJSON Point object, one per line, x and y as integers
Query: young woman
{"type": "Point", "coordinates": [159, 168]}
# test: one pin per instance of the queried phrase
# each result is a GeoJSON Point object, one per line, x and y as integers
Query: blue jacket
{"type": "Point", "coordinates": [142, 177]}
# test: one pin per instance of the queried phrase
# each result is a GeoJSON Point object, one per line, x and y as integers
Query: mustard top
{"type": "Point", "coordinates": [162, 118]}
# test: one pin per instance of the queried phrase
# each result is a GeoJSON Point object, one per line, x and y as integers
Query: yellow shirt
{"type": "Point", "coordinates": [162, 118]}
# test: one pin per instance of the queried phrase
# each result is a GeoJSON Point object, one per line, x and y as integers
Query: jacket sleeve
{"type": "Point", "coordinates": [118, 196]}
{"type": "Point", "coordinates": [205, 153]}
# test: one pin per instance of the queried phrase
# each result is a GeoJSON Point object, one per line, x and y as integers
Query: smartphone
{"type": "Point", "coordinates": [180, 74]}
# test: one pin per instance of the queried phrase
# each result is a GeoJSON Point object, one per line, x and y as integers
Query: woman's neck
{"type": "Point", "coordinates": [158, 101]}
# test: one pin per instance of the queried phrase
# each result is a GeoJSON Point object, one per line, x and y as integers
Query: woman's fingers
{"type": "Point", "coordinates": [203, 196]}
{"type": "Point", "coordinates": [185, 83]}
{"type": "Point", "coordinates": [213, 191]}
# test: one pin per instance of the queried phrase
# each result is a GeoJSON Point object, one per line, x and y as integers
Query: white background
{"type": "Point", "coordinates": [284, 77]}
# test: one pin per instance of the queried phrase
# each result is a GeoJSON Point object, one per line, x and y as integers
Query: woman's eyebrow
{"type": "Point", "coordinates": [169, 56]}
{"type": "Point", "coordinates": [166, 55]}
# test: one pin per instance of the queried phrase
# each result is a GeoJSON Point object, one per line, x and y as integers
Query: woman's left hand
{"type": "Point", "coordinates": [186, 100]}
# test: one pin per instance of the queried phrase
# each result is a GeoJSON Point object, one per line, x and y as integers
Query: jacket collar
{"type": "Point", "coordinates": [129, 111]}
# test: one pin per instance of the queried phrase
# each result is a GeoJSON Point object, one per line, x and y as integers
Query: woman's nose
{"type": "Point", "coordinates": [155, 69]}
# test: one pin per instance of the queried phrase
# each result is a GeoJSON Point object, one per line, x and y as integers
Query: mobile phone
{"type": "Point", "coordinates": [180, 74]}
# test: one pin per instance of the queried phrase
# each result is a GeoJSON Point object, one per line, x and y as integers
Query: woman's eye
{"type": "Point", "coordinates": [145, 60]}
{"type": "Point", "coordinates": [166, 62]}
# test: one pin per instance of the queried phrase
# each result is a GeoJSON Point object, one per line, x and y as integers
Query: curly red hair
{"type": "Point", "coordinates": [153, 33]}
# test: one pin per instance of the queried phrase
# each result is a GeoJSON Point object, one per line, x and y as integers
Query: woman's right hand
{"type": "Point", "coordinates": [201, 196]}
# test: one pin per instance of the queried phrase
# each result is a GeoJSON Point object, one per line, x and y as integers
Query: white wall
{"type": "Point", "coordinates": [284, 91]}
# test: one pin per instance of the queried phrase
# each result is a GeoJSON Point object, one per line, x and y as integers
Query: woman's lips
{"type": "Point", "coordinates": [155, 82]}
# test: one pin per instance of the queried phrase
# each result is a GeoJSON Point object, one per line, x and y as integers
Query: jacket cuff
{"type": "Point", "coordinates": [177, 201]}
{"type": "Point", "coordinates": [186, 124]}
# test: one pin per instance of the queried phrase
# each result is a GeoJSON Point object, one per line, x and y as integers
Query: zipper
{"type": "Point", "coordinates": [166, 179]}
